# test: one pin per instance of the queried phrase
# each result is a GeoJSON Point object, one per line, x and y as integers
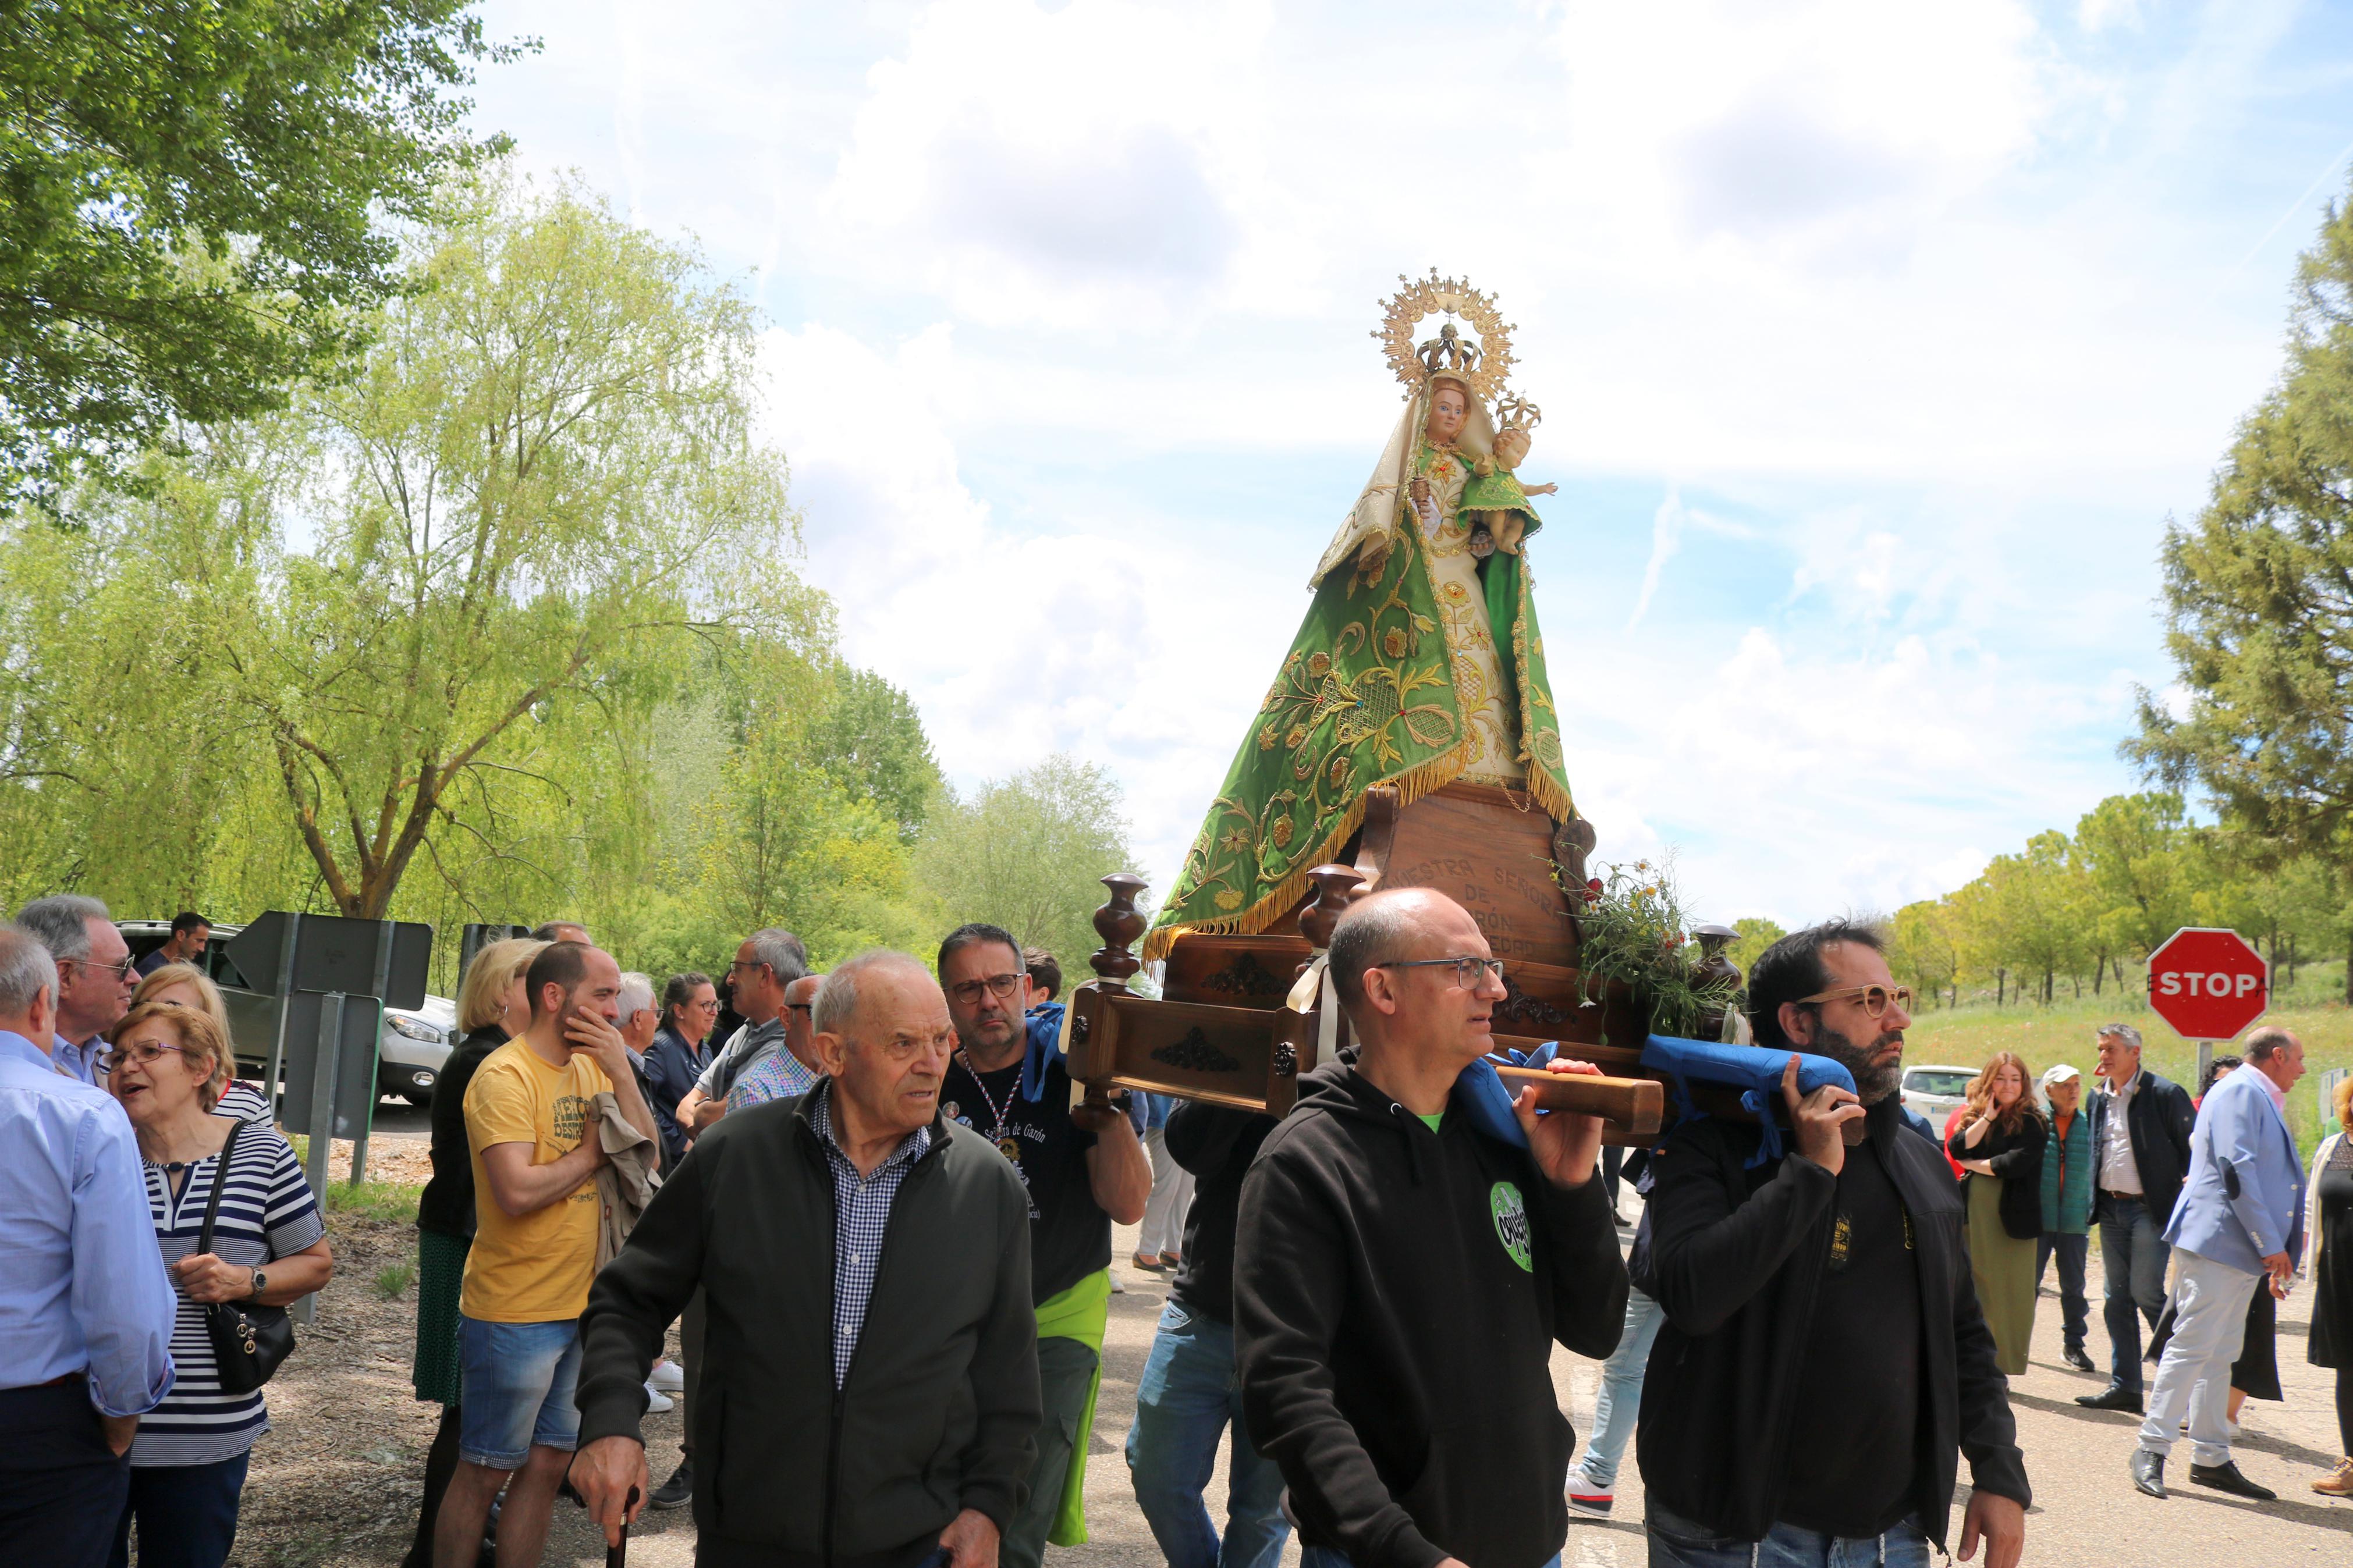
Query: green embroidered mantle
{"type": "Point", "coordinates": [1366, 696]}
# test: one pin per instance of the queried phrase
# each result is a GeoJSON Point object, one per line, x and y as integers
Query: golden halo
{"type": "Point", "coordinates": [1431, 296]}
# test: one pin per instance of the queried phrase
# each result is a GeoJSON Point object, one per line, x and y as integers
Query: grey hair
{"type": "Point", "coordinates": [60, 923]}
{"type": "Point", "coordinates": [781, 951]}
{"type": "Point", "coordinates": [1374, 931]}
{"type": "Point", "coordinates": [837, 994]}
{"type": "Point", "coordinates": [26, 970]}
{"type": "Point", "coordinates": [2124, 1031]}
{"type": "Point", "coordinates": [2267, 1042]}
{"type": "Point", "coordinates": [637, 993]}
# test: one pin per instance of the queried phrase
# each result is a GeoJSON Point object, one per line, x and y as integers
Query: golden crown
{"type": "Point", "coordinates": [1485, 365]}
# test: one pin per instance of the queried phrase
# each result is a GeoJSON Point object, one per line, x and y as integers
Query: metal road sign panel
{"type": "Point", "coordinates": [2207, 982]}
{"type": "Point", "coordinates": [332, 953]}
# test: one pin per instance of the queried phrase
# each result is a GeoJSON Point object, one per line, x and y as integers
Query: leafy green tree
{"type": "Point", "coordinates": [872, 742]}
{"type": "Point", "coordinates": [190, 216]}
{"type": "Point", "coordinates": [1029, 853]}
{"type": "Point", "coordinates": [2136, 854]}
{"type": "Point", "coordinates": [1756, 934]}
{"type": "Point", "coordinates": [1923, 950]}
{"type": "Point", "coordinates": [2259, 596]}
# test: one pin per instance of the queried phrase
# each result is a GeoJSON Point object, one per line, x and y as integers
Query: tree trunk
{"type": "Point", "coordinates": [2001, 988]}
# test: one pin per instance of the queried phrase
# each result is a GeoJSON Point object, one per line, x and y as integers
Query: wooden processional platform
{"type": "Point", "coordinates": [1222, 1030]}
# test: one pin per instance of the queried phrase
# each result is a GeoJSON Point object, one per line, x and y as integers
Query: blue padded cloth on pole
{"type": "Point", "coordinates": [1754, 1070]}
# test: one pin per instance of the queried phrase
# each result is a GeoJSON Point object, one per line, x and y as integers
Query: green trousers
{"type": "Point", "coordinates": [1066, 1374]}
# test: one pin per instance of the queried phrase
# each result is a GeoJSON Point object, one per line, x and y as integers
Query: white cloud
{"type": "Point", "coordinates": [1919, 317]}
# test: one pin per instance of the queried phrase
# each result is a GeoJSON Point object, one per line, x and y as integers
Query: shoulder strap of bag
{"type": "Point", "coordinates": [220, 1180]}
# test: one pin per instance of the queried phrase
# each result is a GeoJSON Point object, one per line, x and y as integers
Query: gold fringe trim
{"type": "Point", "coordinates": [1410, 785]}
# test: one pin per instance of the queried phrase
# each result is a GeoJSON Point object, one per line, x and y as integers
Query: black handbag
{"type": "Point", "coordinates": [248, 1341]}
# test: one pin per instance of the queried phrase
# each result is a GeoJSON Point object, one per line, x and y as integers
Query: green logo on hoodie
{"type": "Point", "coordinates": [1511, 1213]}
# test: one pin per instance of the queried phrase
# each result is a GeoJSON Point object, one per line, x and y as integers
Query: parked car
{"type": "Point", "coordinates": [410, 1046]}
{"type": "Point", "coordinates": [1936, 1091]}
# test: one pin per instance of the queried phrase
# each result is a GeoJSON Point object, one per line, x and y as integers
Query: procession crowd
{"type": "Point", "coordinates": [880, 1223]}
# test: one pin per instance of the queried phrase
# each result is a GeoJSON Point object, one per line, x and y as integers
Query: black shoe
{"type": "Point", "coordinates": [2075, 1358]}
{"type": "Point", "coordinates": [2148, 1472]}
{"type": "Point", "coordinates": [679, 1488]}
{"type": "Point", "coordinates": [2225, 1478]}
{"type": "Point", "coordinates": [2115, 1397]}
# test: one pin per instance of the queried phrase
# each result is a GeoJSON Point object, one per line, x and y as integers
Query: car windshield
{"type": "Point", "coordinates": [1946, 1081]}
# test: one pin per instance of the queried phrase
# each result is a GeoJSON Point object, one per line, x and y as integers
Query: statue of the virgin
{"type": "Point", "coordinates": [1420, 663]}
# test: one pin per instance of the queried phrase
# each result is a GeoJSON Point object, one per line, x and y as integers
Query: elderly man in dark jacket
{"type": "Point", "coordinates": [866, 1268]}
{"type": "Point", "coordinates": [1823, 1363]}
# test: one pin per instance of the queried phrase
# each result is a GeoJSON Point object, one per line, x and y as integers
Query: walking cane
{"type": "Point", "coordinates": [617, 1555]}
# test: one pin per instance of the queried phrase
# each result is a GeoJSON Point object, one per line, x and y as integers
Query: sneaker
{"type": "Point", "coordinates": [2337, 1482]}
{"type": "Point", "coordinates": [678, 1490]}
{"type": "Point", "coordinates": [1585, 1499]}
{"type": "Point", "coordinates": [668, 1377]}
{"type": "Point", "coordinates": [2075, 1358]}
{"type": "Point", "coordinates": [657, 1402]}
{"type": "Point", "coordinates": [1116, 1287]}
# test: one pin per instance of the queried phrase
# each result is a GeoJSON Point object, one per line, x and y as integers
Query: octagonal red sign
{"type": "Point", "coordinates": [2207, 984]}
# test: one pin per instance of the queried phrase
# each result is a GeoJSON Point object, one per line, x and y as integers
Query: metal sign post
{"type": "Point", "coordinates": [381, 986]}
{"type": "Point", "coordinates": [278, 1036]}
{"type": "Point", "coordinates": [322, 1117]}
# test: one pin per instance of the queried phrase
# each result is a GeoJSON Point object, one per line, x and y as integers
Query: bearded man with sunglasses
{"type": "Point", "coordinates": [1084, 1169]}
{"type": "Point", "coordinates": [1401, 1273]}
{"type": "Point", "coordinates": [1824, 1361]}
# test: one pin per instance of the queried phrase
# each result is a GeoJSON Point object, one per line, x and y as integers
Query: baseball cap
{"type": "Point", "coordinates": [2061, 1073]}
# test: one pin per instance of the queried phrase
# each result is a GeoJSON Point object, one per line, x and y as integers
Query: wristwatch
{"type": "Point", "coordinates": [260, 1283]}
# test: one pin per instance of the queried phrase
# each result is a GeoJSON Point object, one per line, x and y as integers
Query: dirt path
{"type": "Point", "coordinates": [337, 1481]}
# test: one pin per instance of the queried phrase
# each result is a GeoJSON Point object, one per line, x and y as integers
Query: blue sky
{"type": "Point", "coordinates": [1875, 344]}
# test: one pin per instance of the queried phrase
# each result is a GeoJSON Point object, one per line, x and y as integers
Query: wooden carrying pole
{"type": "Point", "coordinates": [1636, 1105]}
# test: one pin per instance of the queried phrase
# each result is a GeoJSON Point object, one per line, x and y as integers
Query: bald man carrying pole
{"type": "Point", "coordinates": [873, 1401]}
{"type": "Point", "coordinates": [1400, 1277]}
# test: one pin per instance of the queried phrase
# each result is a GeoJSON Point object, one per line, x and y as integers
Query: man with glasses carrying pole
{"type": "Point", "coordinates": [1403, 1269]}
{"type": "Point", "coordinates": [1824, 1361]}
{"type": "Point", "coordinates": [1084, 1169]}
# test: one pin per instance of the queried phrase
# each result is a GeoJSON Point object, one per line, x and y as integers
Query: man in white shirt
{"type": "Point", "coordinates": [2140, 1140]}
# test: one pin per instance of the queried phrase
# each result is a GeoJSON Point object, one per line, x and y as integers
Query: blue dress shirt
{"type": "Point", "coordinates": [79, 1062]}
{"type": "Point", "coordinates": [84, 1287]}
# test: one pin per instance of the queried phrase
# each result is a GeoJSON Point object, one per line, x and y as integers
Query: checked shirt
{"type": "Point", "coordinates": [862, 1216]}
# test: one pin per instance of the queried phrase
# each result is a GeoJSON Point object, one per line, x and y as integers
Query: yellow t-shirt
{"type": "Point", "coordinates": [535, 1269]}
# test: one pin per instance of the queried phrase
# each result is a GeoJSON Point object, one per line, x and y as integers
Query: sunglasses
{"type": "Point", "coordinates": [1874, 998]}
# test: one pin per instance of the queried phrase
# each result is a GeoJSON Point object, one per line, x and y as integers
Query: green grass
{"type": "Point", "coordinates": [393, 1279]}
{"type": "Point", "coordinates": [385, 1202]}
{"type": "Point", "coordinates": [2061, 1032]}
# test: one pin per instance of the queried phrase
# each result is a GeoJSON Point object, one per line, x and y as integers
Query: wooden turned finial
{"type": "Point", "coordinates": [1119, 922]}
{"type": "Point", "coordinates": [1336, 888]}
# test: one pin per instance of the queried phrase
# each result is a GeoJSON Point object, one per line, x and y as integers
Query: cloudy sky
{"type": "Point", "coordinates": [1875, 344]}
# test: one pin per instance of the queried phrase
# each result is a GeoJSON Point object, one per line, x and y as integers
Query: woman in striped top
{"type": "Point", "coordinates": [186, 985]}
{"type": "Point", "coordinates": [168, 1067]}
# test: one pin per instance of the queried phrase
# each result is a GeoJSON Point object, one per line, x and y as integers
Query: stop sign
{"type": "Point", "coordinates": [2207, 984]}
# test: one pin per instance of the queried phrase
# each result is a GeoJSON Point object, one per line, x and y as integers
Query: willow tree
{"type": "Point", "coordinates": [544, 483]}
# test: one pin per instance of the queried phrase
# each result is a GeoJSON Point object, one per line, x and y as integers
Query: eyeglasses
{"type": "Point", "coordinates": [1468, 971]}
{"type": "Point", "coordinates": [745, 963]}
{"type": "Point", "coordinates": [143, 1054]}
{"type": "Point", "coordinates": [1874, 998]}
{"type": "Point", "coordinates": [120, 970]}
{"type": "Point", "coordinates": [999, 986]}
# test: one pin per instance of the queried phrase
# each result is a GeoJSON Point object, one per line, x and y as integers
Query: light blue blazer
{"type": "Point", "coordinates": [2243, 1200]}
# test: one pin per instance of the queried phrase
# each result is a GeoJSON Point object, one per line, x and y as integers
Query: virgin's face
{"type": "Point", "coordinates": [1447, 412]}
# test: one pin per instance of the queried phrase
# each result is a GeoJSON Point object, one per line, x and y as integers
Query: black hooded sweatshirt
{"type": "Point", "coordinates": [1397, 1296]}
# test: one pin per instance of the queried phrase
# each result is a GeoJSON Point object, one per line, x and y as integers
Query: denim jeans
{"type": "Point", "coordinates": [2133, 1254]}
{"type": "Point", "coordinates": [186, 1514]}
{"type": "Point", "coordinates": [1188, 1397]}
{"type": "Point", "coordinates": [1678, 1542]}
{"type": "Point", "coordinates": [2073, 1308]}
{"type": "Point", "coordinates": [519, 1382]}
{"type": "Point", "coordinates": [1620, 1399]}
{"type": "Point", "coordinates": [1326, 1557]}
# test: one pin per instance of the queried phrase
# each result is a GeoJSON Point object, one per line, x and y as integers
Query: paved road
{"type": "Point", "coordinates": [2086, 1514]}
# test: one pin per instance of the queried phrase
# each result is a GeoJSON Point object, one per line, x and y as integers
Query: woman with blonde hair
{"type": "Point", "coordinates": [1998, 1147]}
{"type": "Point", "coordinates": [186, 985]}
{"type": "Point", "coordinates": [492, 1009]}
{"type": "Point", "coordinates": [2328, 1225]}
{"type": "Point", "coordinates": [167, 1067]}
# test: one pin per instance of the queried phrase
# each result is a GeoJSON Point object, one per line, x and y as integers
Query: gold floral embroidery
{"type": "Point", "coordinates": [1283, 830]}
